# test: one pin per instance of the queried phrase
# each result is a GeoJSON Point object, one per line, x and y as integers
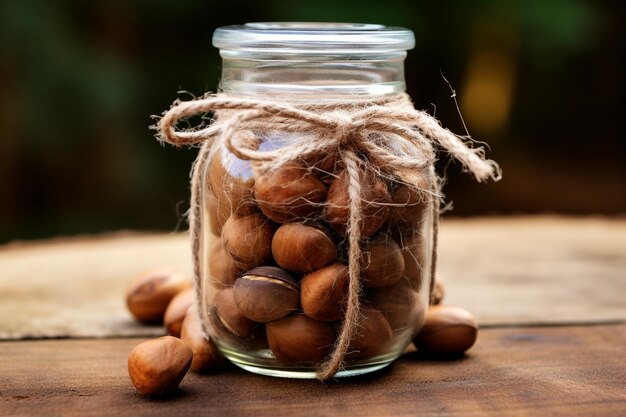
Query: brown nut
{"type": "Point", "coordinates": [447, 331]}
{"type": "Point", "coordinates": [297, 338]}
{"type": "Point", "coordinates": [301, 248]}
{"type": "Point", "coordinates": [216, 217]}
{"type": "Point", "coordinates": [229, 314]}
{"type": "Point", "coordinates": [410, 204]}
{"type": "Point", "coordinates": [439, 290]}
{"type": "Point", "coordinates": [176, 310]}
{"type": "Point", "coordinates": [373, 336]}
{"type": "Point", "coordinates": [206, 356]}
{"type": "Point", "coordinates": [289, 193]}
{"type": "Point", "coordinates": [232, 182]}
{"type": "Point", "coordinates": [382, 263]}
{"type": "Point", "coordinates": [323, 292]}
{"type": "Point", "coordinates": [266, 293]}
{"type": "Point", "coordinates": [399, 303]}
{"type": "Point", "coordinates": [375, 198]}
{"type": "Point", "coordinates": [248, 240]}
{"type": "Point", "coordinates": [416, 261]}
{"type": "Point", "coordinates": [157, 366]}
{"type": "Point", "coordinates": [255, 341]}
{"type": "Point", "coordinates": [223, 270]}
{"type": "Point", "coordinates": [148, 295]}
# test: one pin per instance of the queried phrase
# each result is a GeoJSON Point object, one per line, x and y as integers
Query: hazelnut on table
{"type": "Point", "coordinates": [157, 366]}
{"type": "Point", "coordinates": [149, 294]}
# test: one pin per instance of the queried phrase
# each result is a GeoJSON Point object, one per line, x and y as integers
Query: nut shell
{"type": "Point", "coordinates": [399, 303]}
{"type": "Point", "coordinates": [232, 182]}
{"type": "Point", "coordinates": [255, 341]}
{"type": "Point", "coordinates": [375, 198]}
{"type": "Point", "coordinates": [297, 339]}
{"type": "Point", "coordinates": [157, 366]}
{"type": "Point", "coordinates": [229, 314]}
{"type": "Point", "coordinates": [149, 294]}
{"type": "Point", "coordinates": [248, 240]}
{"type": "Point", "coordinates": [176, 310]}
{"type": "Point", "coordinates": [216, 219]}
{"type": "Point", "coordinates": [266, 293]}
{"type": "Point", "coordinates": [439, 291]}
{"type": "Point", "coordinates": [447, 331]}
{"type": "Point", "coordinates": [410, 204]}
{"type": "Point", "coordinates": [301, 248]}
{"type": "Point", "coordinates": [289, 193]}
{"type": "Point", "coordinates": [323, 292]}
{"type": "Point", "coordinates": [416, 261]}
{"type": "Point", "coordinates": [206, 356]}
{"type": "Point", "coordinates": [382, 263]}
{"type": "Point", "coordinates": [373, 336]}
{"type": "Point", "coordinates": [223, 270]}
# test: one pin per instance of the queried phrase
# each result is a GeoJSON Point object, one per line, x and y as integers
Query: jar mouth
{"type": "Point", "coordinates": [313, 38]}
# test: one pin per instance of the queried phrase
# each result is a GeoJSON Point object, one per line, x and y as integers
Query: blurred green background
{"type": "Point", "coordinates": [541, 81]}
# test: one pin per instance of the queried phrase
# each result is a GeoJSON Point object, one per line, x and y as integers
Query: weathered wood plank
{"type": "Point", "coordinates": [504, 270]}
{"type": "Point", "coordinates": [75, 287]}
{"type": "Point", "coordinates": [560, 371]}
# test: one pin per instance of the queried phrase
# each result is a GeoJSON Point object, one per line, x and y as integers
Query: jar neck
{"type": "Point", "coordinates": [313, 76]}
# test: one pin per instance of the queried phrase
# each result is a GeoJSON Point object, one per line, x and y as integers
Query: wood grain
{"type": "Point", "coordinates": [505, 270]}
{"type": "Point", "coordinates": [75, 287]}
{"type": "Point", "coordinates": [562, 371]}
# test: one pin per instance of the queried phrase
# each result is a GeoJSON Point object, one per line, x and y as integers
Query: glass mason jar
{"type": "Point", "coordinates": [274, 263]}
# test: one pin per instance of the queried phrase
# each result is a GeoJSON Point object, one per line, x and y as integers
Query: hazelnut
{"type": "Point", "coordinates": [447, 331]}
{"type": "Point", "coordinates": [289, 192]}
{"type": "Point", "coordinates": [176, 310]}
{"type": "Point", "coordinates": [382, 263]}
{"type": "Point", "coordinates": [439, 290]}
{"type": "Point", "coordinates": [297, 338]}
{"type": "Point", "coordinates": [157, 366]}
{"type": "Point", "coordinates": [248, 240]}
{"type": "Point", "coordinates": [325, 164]}
{"type": "Point", "coordinates": [223, 270]}
{"type": "Point", "coordinates": [254, 341]}
{"type": "Point", "coordinates": [373, 335]}
{"type": "Point", "coordinates": [375, 198]}
{"type": "Point", "coordinates": [323, 292]}
{"type": "Point", "coordinates": [148, 295]}
{"type": "Point", "coordinates": [217, 217]}
{"type": "Point", "coordinates": [410, 204]}
{"type": "Point", "coordinates": [416, 261]}
{"type": "Point", "coordinates": [229, 314]}
{"type": "Point", "coordinates": [322, 160]}
{"type": "Point", "coordinates": [399, 303]}
{"type": "Point", "coordinates": [206, 356]}
{"type": "Point", "coordinates": [301, 248]}
{"type": "Point", "coordinates": [231, 180]}
{"type": "Point", "coordinates": [266, 293]}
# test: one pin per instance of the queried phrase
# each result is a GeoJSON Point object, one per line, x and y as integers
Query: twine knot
{"type": "Point", "coordinates": [345, 127]}
{"type": "Point", "coordinates": [388, 133]}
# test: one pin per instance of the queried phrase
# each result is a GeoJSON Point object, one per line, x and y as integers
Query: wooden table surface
{"type": "Point", "coordinates": [550, 294]}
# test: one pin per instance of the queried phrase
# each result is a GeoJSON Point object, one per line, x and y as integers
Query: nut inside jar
{"type": "Point", "coordinates": [280, 263]}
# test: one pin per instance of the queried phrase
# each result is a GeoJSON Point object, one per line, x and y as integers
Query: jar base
{"type": "Point", "coordinates": [252, 364]}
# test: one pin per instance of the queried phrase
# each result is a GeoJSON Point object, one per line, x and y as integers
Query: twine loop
{"type": "Point", "coordinates": [388, 134]}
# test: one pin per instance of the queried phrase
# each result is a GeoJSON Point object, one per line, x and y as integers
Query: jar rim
{"type": "Point", "coordinates": [313, 38]}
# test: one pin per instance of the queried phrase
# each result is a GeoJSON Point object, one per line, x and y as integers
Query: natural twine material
{"type": "Point", "coordinates": [385, 135]}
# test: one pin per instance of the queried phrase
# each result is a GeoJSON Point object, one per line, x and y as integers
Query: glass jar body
{"type": "Point", "coordinates": [286, 325]}
{"type": "Point", "coordinates": [274, 244]}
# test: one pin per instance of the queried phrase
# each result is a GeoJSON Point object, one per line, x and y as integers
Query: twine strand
{"type": "Point", "coordinates": [394, 137]}
{"type": "Point", "coordinates": [352, 308]}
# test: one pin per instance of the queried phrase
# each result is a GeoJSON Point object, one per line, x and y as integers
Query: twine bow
{"type": "Point", "coordinates": [389, 132]}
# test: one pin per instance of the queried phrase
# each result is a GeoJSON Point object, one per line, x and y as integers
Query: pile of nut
{"type": "Point", "coordinates": [165, 296]}
{"type": "Point", "coordinates": [278, 266]}
{"type": "Point", "coordinates": [279, 259]}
